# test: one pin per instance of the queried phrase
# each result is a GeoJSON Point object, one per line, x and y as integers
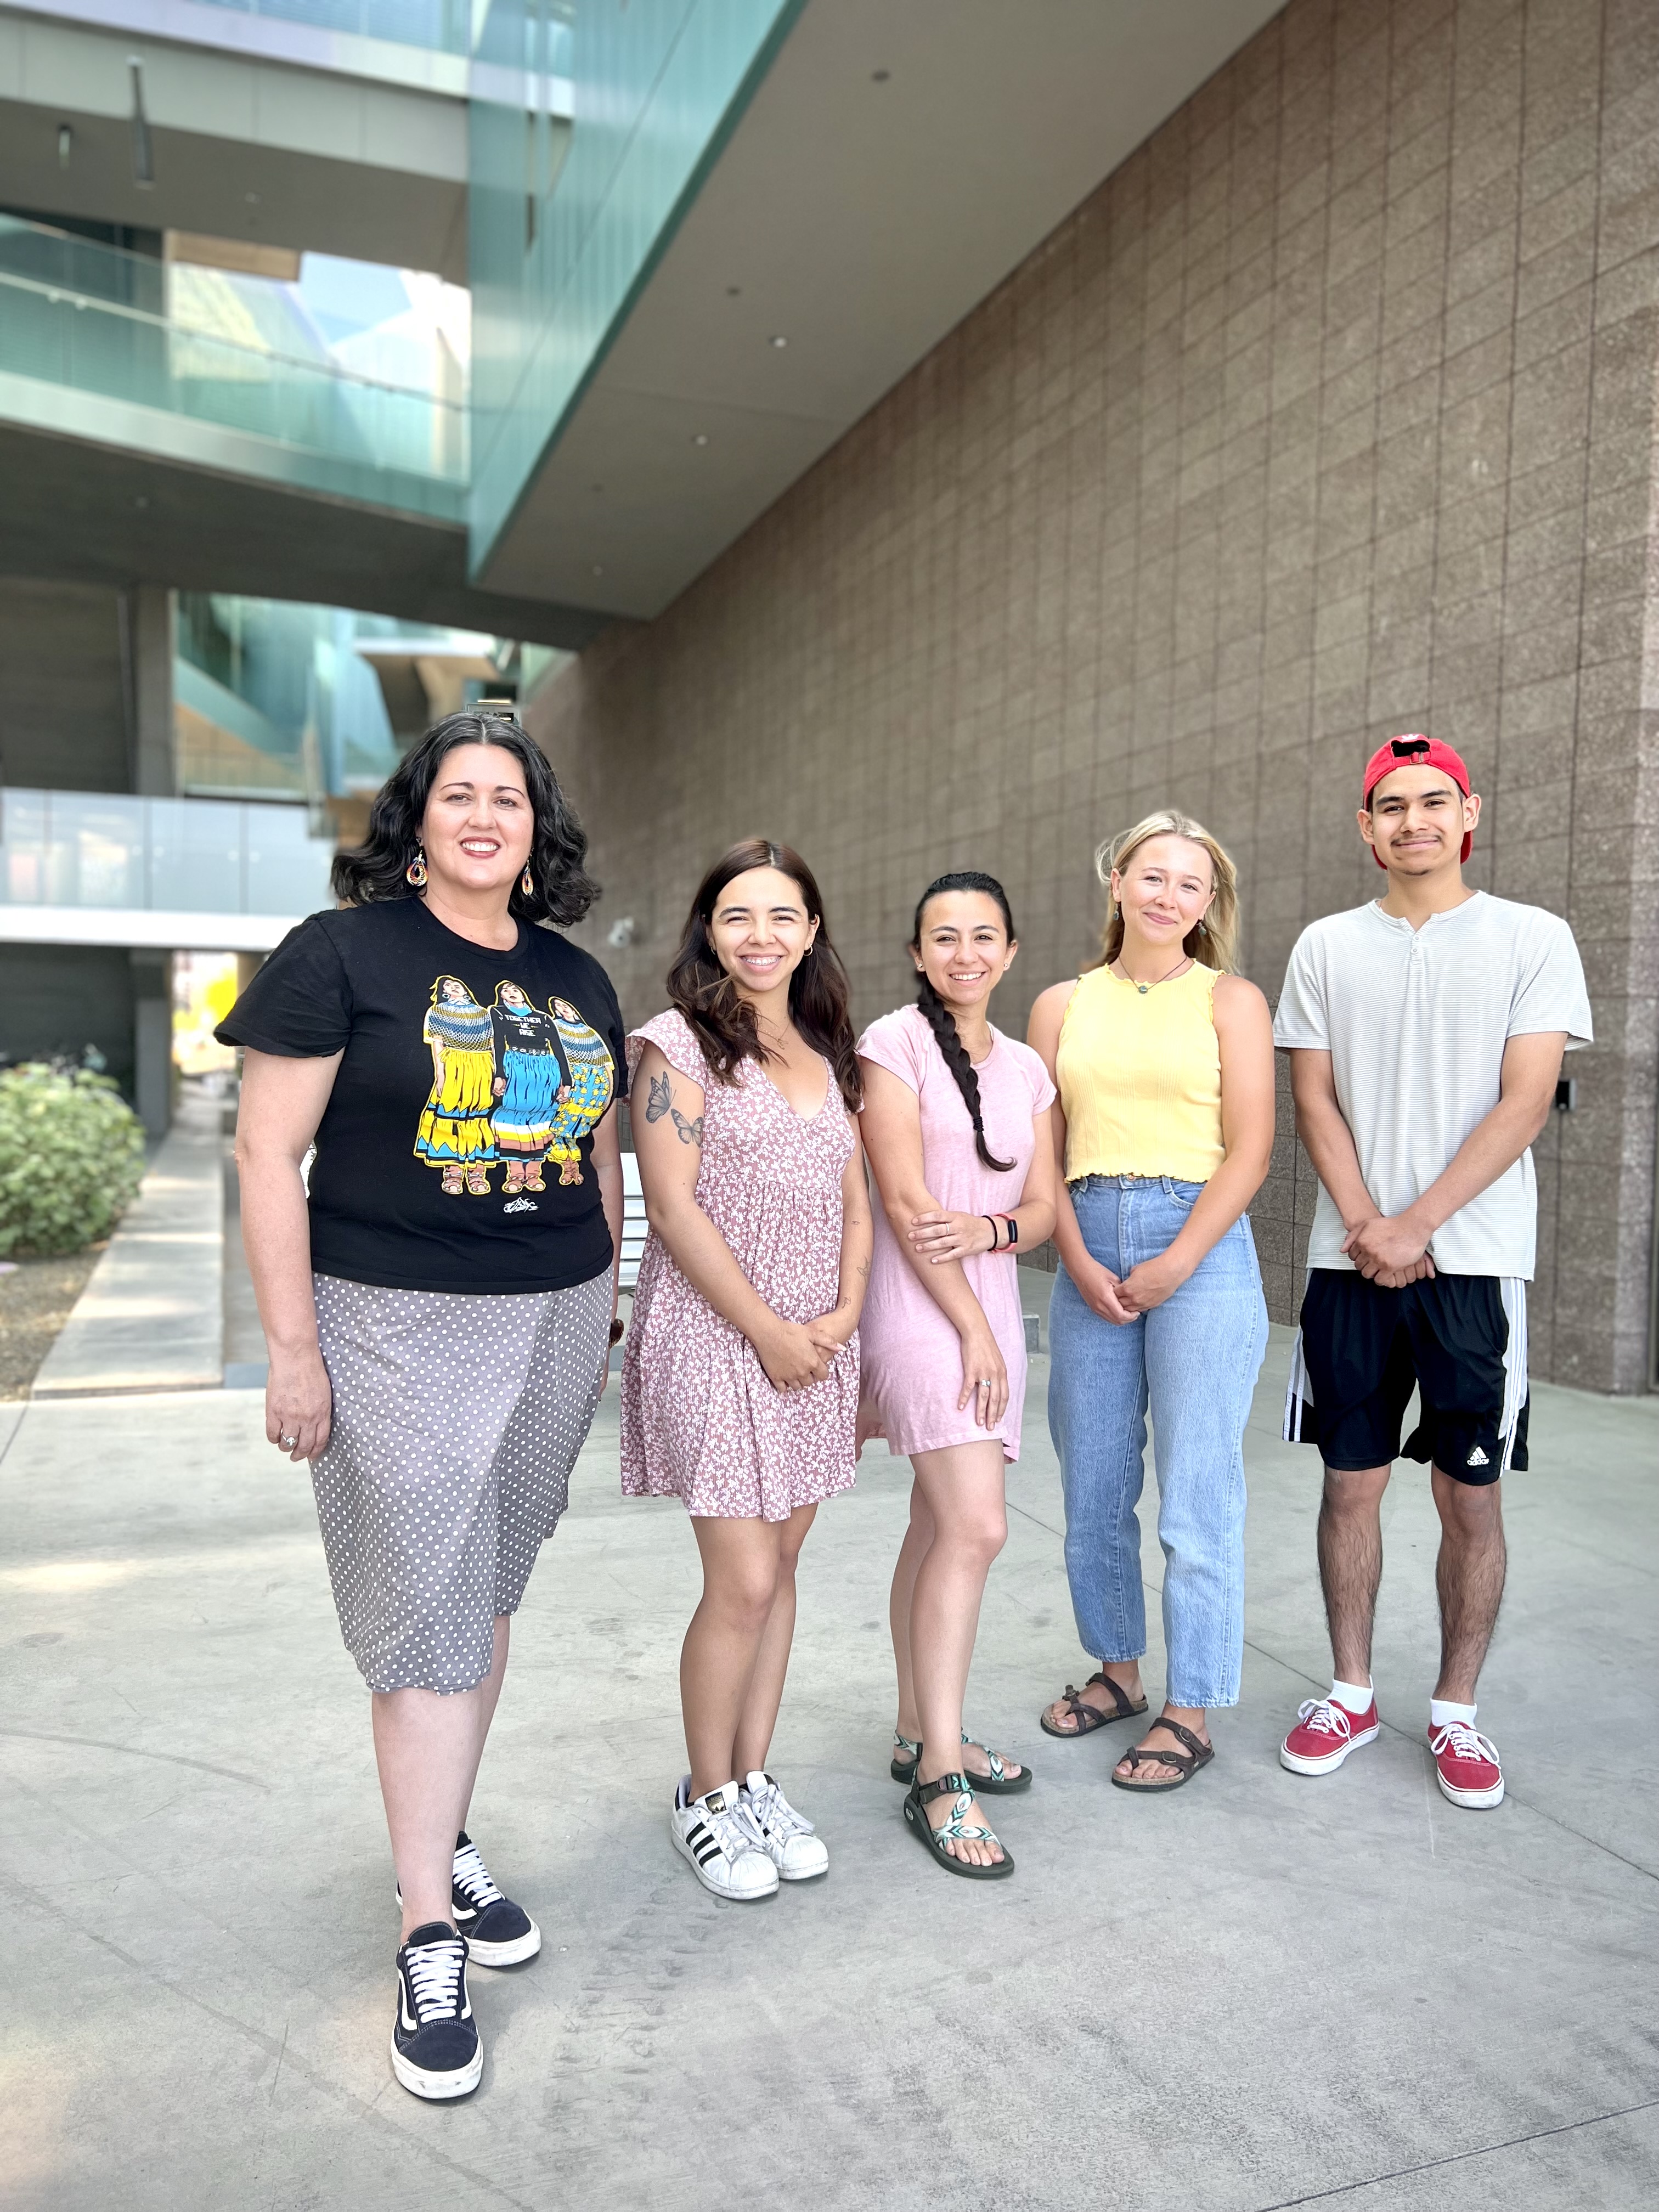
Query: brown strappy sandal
{"type": "Point", "coordinates": [1090, 1717]}
{"type": "Point", "coordinates": [1202, 1754]}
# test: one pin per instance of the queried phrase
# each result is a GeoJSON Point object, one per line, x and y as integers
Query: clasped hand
{"type": "Point", "coordinates": [1389, 1250]}
{"type": "Point", "coordinates": [938, 1236]}
{"type": "Point", "coordinates": [795, 1354]}
{"type": "Point", "coordinates": [1123, 1298]}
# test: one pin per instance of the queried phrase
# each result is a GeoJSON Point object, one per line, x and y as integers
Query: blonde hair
{"type": "Point", "coordinates": [1214, 940]}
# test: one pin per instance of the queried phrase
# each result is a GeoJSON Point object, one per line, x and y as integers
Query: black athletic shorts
{"type": "Point", "coordinates": [1459, 1341]}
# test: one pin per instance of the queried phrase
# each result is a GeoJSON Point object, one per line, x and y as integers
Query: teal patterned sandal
{"type": "Point", "coordinates": [902, 1767]}
{"type": "Point", "coordinates": [999, 1783]}
{"type": "Point", "coordinates": [956, 1829]}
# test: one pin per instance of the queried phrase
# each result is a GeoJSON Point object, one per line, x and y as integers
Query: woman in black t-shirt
{"type": "Point", "coordinates": [438, 1311]}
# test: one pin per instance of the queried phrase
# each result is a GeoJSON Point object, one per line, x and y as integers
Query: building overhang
{"type": "Point", "coordinates": [892, 168]}
{"type": "Point", "coordinates": [91, 511]}
{"type": "Point", "coordinates": [255, 128]}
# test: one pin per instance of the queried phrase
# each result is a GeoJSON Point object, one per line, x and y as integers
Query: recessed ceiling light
{"type": "Point", "coordinates": [779, 342]}
{"type": "Point", "coordinates": [734, 291]}
{"type": "Point", "coordinates": [879, 76]}
{"type": "Point", "coordinates": [597, 570]}
{"type": "Point", "coordinates": [700, 437]}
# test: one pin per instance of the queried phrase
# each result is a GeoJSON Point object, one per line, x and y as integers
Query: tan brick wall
{"type": "Point", "coordinates": [1330, 415]}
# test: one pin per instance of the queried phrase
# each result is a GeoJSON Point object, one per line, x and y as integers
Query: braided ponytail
{"type": "Point", "coordinates": [943, 1022]}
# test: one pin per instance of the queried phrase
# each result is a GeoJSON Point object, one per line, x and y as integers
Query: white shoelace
{"type": "Point", "coordinates": [473, 1878]}
{"type": "Point", "coordinates": [1324, 1717]}
{"type": "Point", "coordinates": [771, 1811]}
{"type": "Point", "coordinates": [1466, 1742]}
{"type": "Point", "coordinates": [435, 1977]}
{"type": "Point", "coordinates": [733, 1830]}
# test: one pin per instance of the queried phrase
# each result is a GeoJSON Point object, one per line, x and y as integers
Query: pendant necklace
{"type": "Point", "coordinates": [1144, 987]}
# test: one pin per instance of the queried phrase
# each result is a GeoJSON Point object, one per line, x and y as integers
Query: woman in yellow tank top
{"type": "Point", "coordinates": [1164, 1061]}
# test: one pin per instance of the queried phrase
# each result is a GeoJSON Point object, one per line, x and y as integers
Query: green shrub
{"type": "Point", "coordinates": [72, 1154]}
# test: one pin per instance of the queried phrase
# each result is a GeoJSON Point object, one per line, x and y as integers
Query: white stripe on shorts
{"type": "Point", "coordinates": [1512, 1290]}
{"type": "Point", "coordinates": [1298, 1392]}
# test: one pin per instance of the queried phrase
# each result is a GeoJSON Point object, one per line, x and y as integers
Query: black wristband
{"type": "Point", "coordinates": [1014, 1231]}
{"type": "Point", "coordinates": [991, 1218]}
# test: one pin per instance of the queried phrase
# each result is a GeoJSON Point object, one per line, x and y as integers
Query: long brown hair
{"type": "Point", "coordinates": [722, 1020]}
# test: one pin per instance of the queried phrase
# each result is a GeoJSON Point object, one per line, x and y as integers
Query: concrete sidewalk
{"type": "Point", "coordinates": [1257, 1992]}
{"type": "Point", "coordinates": [151, 1317]}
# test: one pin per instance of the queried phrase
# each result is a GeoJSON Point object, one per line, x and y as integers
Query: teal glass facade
{"type": "Point", "coordinates": [273, 697]}
{"type": "Point", "coordinates": [95, 321]}
{"type": "Point", "coordinates": [562, 237]}
{"type": "Point", "coordinates": [590, 126]}
{"type": "Point", "coordinates": [107, 850]}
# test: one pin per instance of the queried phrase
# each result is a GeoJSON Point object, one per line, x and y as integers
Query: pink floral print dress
{"type": "Point", "coordinates": [700, 1419]}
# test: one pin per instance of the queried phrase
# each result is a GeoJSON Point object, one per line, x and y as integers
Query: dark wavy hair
{"type": "Point", "coordinates": [820, 997]}
{"type": "Point", "coordinates": [941, 1019]}
{"type": "Point", "coordinates": [375, 870]}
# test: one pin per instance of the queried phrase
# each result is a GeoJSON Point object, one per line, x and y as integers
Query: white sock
{"type": "Point", "coordinates": [1443, 1711]}
{"type": "Point", "coordinates": [1353, 1697]}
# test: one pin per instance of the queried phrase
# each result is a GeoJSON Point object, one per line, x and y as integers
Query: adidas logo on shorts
{"type": "Point", "coordinates": [1477, 1458]}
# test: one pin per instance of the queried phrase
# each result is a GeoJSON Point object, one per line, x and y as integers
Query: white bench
{"type": "Point", "coordinates": [633, 1221]}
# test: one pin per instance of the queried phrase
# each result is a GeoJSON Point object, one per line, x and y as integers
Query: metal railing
{"type": "Point", "coordinates": [443, 27]}
{"type": "Point", "coordinates": [92, 318]}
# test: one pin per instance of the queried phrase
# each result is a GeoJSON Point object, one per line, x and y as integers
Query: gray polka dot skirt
{"type": "Point", "coordinates": [457, 1421]}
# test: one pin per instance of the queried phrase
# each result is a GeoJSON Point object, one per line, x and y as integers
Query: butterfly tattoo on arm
{"type": "Point", "coordinates": [661, 1101]}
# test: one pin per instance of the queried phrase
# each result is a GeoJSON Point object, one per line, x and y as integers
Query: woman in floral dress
{"type": "Point", "coordinates": [740, 1378]}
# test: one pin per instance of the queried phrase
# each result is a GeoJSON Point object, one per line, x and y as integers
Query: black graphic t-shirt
{"type": "Point", "coordinates": [455, 1153]}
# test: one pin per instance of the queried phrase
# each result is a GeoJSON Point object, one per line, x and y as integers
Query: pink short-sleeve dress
{"type": "Point", "coordinates": [912, 1355]}
{"type": "Point", "coordinates": [700, 1420]}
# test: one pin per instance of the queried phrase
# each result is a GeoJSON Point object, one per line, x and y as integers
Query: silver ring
{"type": "Point", "coordinates": [984, 1382]}
{"type": "Point", "coordinates": [287, 1443]}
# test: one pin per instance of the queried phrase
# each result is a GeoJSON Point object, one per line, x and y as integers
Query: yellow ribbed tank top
{"type": "Point", "coordinates": [1139, 1077]}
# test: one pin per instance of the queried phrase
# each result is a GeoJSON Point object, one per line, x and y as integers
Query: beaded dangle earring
{"type": "Point", "coordinates": [415, 873]}
{"type": "Point", "coordinates": [527, 882]}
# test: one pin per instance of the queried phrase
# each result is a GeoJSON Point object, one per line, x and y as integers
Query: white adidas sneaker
{"type": "Point", "coordinates": [715, 1837]}
{"type": "Point", "coordinates": [787, 1836]}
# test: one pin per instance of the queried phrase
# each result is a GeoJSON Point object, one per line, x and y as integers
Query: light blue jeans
{"type": "Point", "coordinates": [1195, 1359]}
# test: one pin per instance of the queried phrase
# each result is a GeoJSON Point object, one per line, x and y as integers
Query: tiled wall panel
{"type": "Point", "coordinates": [1331, 414]}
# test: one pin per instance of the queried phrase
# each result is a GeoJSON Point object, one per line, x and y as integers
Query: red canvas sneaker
{"type": "Point", "coordinates": [1325, 1733]}
{"type": "Point", "coordinates": [1466, 1764]}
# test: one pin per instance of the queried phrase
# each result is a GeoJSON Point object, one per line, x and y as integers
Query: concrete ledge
{"type": "Point", "coordinates": [151, 1318]}
{"type": "Point", "coordinates": [163, 928]}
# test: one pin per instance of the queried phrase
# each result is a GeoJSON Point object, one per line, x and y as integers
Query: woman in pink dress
{"type": "Point", "coordinates": [956, 1125]}
{"type": "Point", "coordinates": [740, 1378]}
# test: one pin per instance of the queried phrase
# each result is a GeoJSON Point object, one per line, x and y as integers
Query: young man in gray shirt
{"type": "Point", "coordinates": [1425, 1031]}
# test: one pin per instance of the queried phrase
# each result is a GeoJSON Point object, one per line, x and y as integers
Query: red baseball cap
{"type": "Point", "coordinates": [1415, 751]}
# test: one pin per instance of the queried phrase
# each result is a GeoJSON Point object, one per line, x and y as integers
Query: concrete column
{"type": "Point", "coordinates": [155, 764]}
{"type": "Point", "coordinates": [152, 1039]}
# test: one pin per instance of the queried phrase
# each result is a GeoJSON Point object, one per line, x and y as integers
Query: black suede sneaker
{"type": "Point", "coordinates": [498, 1932]}
{"type": "Point", "coordinates": [435, 2051]}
